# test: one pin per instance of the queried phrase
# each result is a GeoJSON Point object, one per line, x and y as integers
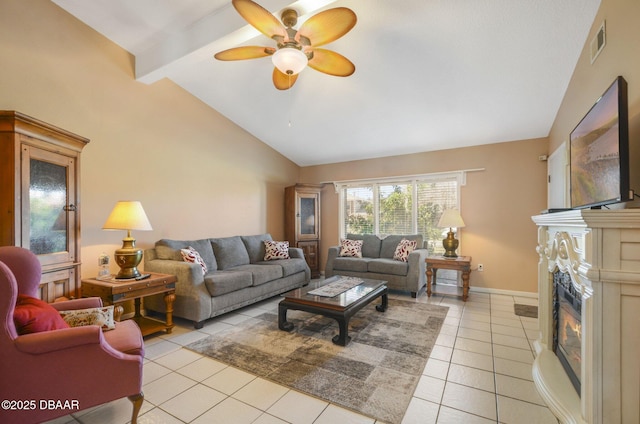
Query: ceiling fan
{"type": "Point", "coordinates": [295, 49]}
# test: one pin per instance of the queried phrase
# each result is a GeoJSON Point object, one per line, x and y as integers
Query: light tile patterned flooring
{"type": "Point", "coordinates": [478, 372]}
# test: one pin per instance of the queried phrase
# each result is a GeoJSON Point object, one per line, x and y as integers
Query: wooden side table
{"type": "Point", "coordinates": [114, 292]}
{"type": "Point", "coordinates": [461, 263]}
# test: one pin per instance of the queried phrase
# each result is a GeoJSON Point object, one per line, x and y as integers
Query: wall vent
{"type": "Point", "coordinates": [598, 42]}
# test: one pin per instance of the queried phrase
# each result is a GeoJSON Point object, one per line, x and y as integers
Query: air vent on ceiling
{"type": "Point", "coordinates": [598, 42]}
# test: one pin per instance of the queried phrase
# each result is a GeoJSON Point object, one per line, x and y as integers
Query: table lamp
{"type": "Point", "coordinates": [450, 218]}
{"type": "Point", "coordinates": [128, 215]}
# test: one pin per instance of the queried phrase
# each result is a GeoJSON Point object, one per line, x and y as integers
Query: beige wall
{"type": "Point", "coordinates": [153, 143]}
{"type": "Point", "coordinates": [619, 57]}
{"type": "Point", "coordinates": [496, 204]}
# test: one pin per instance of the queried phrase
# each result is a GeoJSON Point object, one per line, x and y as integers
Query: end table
{"type": "Point", "coordinates": [460, 263]}
{"type": "Point", "coordinates": [115, 292]}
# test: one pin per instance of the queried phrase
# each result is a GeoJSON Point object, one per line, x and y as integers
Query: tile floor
{"type": "Point", "coordinates": [479, 372]}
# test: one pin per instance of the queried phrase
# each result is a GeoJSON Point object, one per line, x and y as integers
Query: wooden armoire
{"type": "Point", "coordinates": [302, 222]}
{"type": "Point", "coordinates": [40, 198]}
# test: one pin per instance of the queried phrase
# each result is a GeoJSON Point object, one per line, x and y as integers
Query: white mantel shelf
{"type": "Point", "coordinates": [600, 249]}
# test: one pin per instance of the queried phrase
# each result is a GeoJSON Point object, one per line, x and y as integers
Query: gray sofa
{"type": "Point", "coordinates": [237, 275]}
{"type": "Point", "coordinates": [377, 262]}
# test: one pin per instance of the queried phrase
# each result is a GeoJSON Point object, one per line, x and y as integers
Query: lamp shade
{"type": "Point", "coordinates": [289, 60]}
{"type": "Point", "coordinates": [451, 218]}
{"type": "Point", "coordinates": [128, 215]}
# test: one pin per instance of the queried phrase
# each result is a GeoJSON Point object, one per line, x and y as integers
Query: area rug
{"type": "Point", "coordinates": [375, 374]}
{"type": "Point", "coordinates": [530, 311]}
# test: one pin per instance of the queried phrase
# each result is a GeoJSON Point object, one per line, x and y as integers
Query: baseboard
{"type": "Point", "coordinates": [503, 292]}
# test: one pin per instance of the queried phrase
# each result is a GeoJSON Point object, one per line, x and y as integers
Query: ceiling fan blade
{"type": "Point", "coordinates": [328, 26]}
{"type": "Point", "coordinates": [283, 81]}
{"type": "Point", "coordinates": [243, 53]}
{"type": "Point", "coordinates": [259, 17]}
{"type": "Point", "coordinates": [332, 63]}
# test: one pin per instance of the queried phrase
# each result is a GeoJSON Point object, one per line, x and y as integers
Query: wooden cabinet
{"type": "Point", "coordinates": [302, 222]}
{"type": "Point", "coordinates": [40, 198]}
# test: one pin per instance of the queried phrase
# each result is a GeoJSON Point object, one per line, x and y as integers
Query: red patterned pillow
{"type": "Point", "coordinates": [352, 248]}
{"type": "Point", "coordinates": [33, 315]}
{"type": "Point", "coordinates": [191, 255]}
{"type": "Point", "coordinates": [276, 250]}
{"type": "Point", "coordinates": [404, 248]}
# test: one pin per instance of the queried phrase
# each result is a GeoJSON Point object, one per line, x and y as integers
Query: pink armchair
{"type": "Point", "coordinates": [53, 373]}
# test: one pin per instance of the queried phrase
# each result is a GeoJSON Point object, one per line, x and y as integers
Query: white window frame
{"type": "Point", "coordinates": [459, 176]}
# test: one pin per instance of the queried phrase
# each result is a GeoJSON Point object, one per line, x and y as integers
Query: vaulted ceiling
{"type": "Point", "coordinates": [430, 74]}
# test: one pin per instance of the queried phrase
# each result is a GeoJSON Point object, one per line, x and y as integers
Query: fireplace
{"type": "Point", "coordinates": [586, 367]}
{"type": "Point", "coordinates": [567, 326]}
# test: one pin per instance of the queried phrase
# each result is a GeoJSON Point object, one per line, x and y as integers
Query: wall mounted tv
{"type": "Point", "coordinates": [599, 150]}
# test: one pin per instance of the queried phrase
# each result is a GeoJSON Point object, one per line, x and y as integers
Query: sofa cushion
{"type": "Point", "coordinates": [222, 282]}
{"type": "Point", "coordinates": [230, 252]}
{"type": "Point", "coordinates": [170, 249]}
{"type": "Point", "coordinates": [255, 246]}
{"type": "Point", "coordinates": [370, 244]}
{"type": "Point", "coordinates": [289, 266]}
{"type": "Point", "coordinates": [351, 248]}
{"type": "Point", "coordinates": [276, 250]}
{"type": "Point", "coordinates": [350, 264]}
{"type": "Point", "coordinates": [404, 248]}
{"type": "Point", "coordinates": [388, 266]}
{"type": "Point", "coordinates": [390, 243]}
{"type": "Point", "coordinates": [262, 273]}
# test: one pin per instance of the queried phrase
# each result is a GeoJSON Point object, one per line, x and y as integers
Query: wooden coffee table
{"type": "Point", "coordinates": [340, 307]}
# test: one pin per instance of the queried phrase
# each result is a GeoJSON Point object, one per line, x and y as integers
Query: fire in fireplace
{"type": "Point", "coordinates": [567, 326]}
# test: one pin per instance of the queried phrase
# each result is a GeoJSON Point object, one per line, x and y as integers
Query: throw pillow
{"type": "Point", "coordinates": [32, 315]}
{"type": "Point", "coordinates": [191, 255]}
{"type": "Point", "coordinates": [352, 248]}
{"type": "Point", "coordinates": [92, 316]}
{"type": "Point", "coordinates": [276, 250]}
{"type": "Point", "coordinates": [404, 248]}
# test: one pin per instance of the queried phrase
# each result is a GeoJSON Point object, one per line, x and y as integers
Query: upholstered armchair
{"type": "Point", "coordinates": [47, 374]}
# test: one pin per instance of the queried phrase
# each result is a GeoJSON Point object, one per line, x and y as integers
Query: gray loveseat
{"type": "Point", "coordinates": [237, 275]}
{"type": "Point", "coordinates": [377, 262]}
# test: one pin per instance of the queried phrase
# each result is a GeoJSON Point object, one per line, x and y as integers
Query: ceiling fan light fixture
{"type": "Point", "coordinates": [289, 60]}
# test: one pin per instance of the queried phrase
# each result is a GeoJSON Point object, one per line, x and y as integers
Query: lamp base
{"type": "Point", "coordinates": [128, 258]}
{"type": "Point", "coordinates": [450, 245]}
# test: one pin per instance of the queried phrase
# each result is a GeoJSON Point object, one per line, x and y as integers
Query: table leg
{"type": "Point", "coordinates": [429, 274]}
{"type": "Point", "coordinates": [137, 306]}
{"type": "Point", "coordinates": [343, 338]}
{"type": "Point", "coordinates": [168, 300]}
{"type": "Point", "coordinates": [385, 303]}
{"type": "Point", "coordinates": [118, 310]}
{"type": "Point", "coordinates": [465, 285]}
{"type": "Point", "coordinates": [282, 319]}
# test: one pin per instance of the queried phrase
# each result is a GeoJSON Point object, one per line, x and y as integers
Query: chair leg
{"type": "Point", "coordinates": [137, 404]}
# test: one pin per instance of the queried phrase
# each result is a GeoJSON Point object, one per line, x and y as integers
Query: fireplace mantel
{"type": "Point", "coordinates": [600, 249]}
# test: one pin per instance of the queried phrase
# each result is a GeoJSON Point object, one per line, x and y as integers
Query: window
{"type": "Point", "coordinates": [410, 205]}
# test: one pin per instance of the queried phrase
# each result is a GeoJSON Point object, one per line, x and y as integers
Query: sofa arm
{"type": "Point", "coordinates": [188, 274]}
{"type": "Point", "coordinates": [331, 255]}
{"type": "Point", "coordinates": [416, 276]}
{"type": "Point", "coordinates": [193, 300]}
{"type": "Point", "coordinates": [75, 304]}
{"type": "Point", "coordinates": [296, 252]}
{"type": "Point", "coordinates": [55, 340]}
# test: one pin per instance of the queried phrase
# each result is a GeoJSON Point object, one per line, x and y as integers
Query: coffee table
{"type": "Point", "coordinates": [340, 307]}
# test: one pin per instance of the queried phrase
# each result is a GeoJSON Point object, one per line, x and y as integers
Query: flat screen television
{"type": "Point", "coordinates": [599, 152]}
